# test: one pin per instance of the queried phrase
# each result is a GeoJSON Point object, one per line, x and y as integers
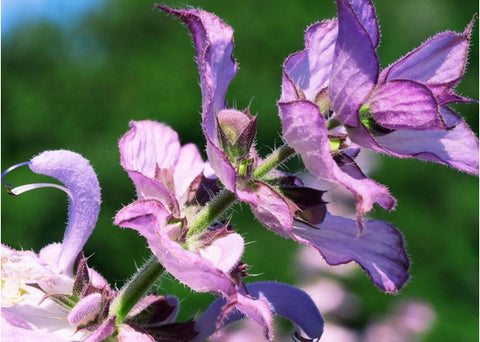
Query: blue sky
{"type": "Point", "coordinates": [18, 12]}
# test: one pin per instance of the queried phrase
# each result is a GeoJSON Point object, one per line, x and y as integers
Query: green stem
{"type": "Point", "coordinates": [134, 290]}
{"type": "Point", "coordinates": [209, 213]}
{"type": "Point", "coordinates": [274, 160]}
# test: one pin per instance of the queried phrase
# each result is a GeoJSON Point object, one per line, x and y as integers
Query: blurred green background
{"type": "Point", "coordinates": [77, 86]}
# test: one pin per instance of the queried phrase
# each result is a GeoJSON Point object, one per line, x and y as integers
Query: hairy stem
{"type": "Point", "coordinates": [133, 291]}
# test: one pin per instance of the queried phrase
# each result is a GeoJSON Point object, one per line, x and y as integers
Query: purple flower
{"type": "Point", "coordinates": [168, 177]}
{"type": "Point", "coordinates": [207, 267]}
{"type": "Point", "coordinates": [229, 132]}
{"type": "Point", "coordinates": [285, 300]}
{"type": "Point", "coordinates": [379, 249]}
{"type": "Point", "coordinates": [54, 295]}
{"type": "Point", "coordinates": [403, 110]}
{"type": "Point", "coordinates": [309, 127]}
{"type": "Point", "coordinates": [81, 185]}
{"type": "Point", "coordinates": [276, 206]}
{"type": "Point", "coordinates": [39, 291]}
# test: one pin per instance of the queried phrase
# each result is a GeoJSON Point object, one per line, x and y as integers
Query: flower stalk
{"type": "Point", "coordinates": [152, 269]}
{"type": "Point", "coordinates": [135, 289]}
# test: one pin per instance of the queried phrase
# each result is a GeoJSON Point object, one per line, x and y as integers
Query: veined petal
{"type": "Point", "coordinates": [456, 147]}
{"type": "Point", "coordinates": [365, 12]}
{"type": "Point", "coordinates": [405, 104]}
{"type": "Point", "coordinates": [222, 166]}
{"type": "Point", "coordinates": [285, 300]}
{"type": "Point", "coordinates": [76, 173]}
{"type": "Point", "coordinates": [272, 210]}
{"type": "Point", "coordinates": [441, 60]}
{"type": "Point", "coordinates": [147, 147]}
{"type": "Point", "coordinates": [379, 249]}
{"type": "Point", "coordinates": [304, 129]}
{"type": "Point", "coordinates": [198, 272]}
{"type": "Point", "coordinates": [188, 167]}
{"type": "Point", "coordinates": [355, 66]}
{"type": "Point", "coordinates": [148, 217]}
{"type": "Point", "coordinates": [310, 69]}
{"type": "Point", "coordinates": [213, 40]}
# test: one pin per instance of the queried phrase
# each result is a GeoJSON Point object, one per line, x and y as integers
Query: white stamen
{"type": "Point", "coordinates": [24, 188]}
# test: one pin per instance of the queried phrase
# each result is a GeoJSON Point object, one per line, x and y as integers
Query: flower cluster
{"type": "Point", "coordinates": [334, 101]}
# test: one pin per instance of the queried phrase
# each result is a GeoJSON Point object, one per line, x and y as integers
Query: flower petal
{"type": "Point", "coordinates": [147, 147]}
{"type": "Point", "coordinates": [213, 41]}
{"type": "Point", "coordinates": [285, 300]}
{"type": "Point", "coordinates": [272, 210]}
{"type": "Point", "coordinates": [405, 104]}
{"type": "Point", "coordinates": [379, 249]}
{"type": "Point", "coordinates": [355, 66]}
{"type": "Point", "coordinates": [309, 70]}
{"type": "Point", "coordinates": [148, 217]}
{"type": "Point", "coordinates": [190, 268]}
{"type": "Point", "coordinates": [365, 12]}
{"type": "Point", "coordinates": [304, 129]}
{"type": "Point", "coordinates": [456, 147]}
{"type": "Point", "coordinates": [439, 62]}
{"type": "Point", "coordinates": [188, 167]}
{"type": "Point", "coordinates": [76, 173]}
{"type": "Point", "coordinates": [103, 331]}
{"type": "Point", "coordinates": [222, 166]}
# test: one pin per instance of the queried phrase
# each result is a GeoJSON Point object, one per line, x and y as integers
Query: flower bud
{"type": "Point", "coordinates": [236, 131]}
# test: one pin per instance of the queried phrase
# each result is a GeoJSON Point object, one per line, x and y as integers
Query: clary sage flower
{"type": "Point", "coordinates": [168, 177]}
{"type": "Point", "coordinates": [334, 98]}
{"type": "Point", "coordinates": [54, 295]}
{"type": "Point", "coordinates": [279, 206]}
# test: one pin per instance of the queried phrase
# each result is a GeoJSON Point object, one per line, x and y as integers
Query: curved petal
{"type": "Point", "coordinates": [355, 66]}
{"type": "Point", "coordinates": [149, 188]}
{"type": "Point", "coordinates": [76, 173]}
{"type": "Point", "coordinates": [147, 147]}
{"type": "Point", "coordinates": [457, 147]}
{"type": "Point", "coordinates": [188, 167]}
{"type": "Point", "coordinates": [222, 166]}
{"type": "Point", "coordinates": [304, 129]}
{"type": "Point", "coordinates": [103, 331]}
{"type": "Point", "coordinates": [272, 210]}
{"type": "Point", "coordinates": [365, 12]}
{"type": "Point", "coordinates": [285, 300]}
{"type": "Point", "coordinates": [405, 104]}
{"type": "Point", "coordinates": [441, 60]}
{"type": "Point", "coordinates": [310, 69]}
{"type": "Point", "coordinates": [379, 249]}
{"type": "Point", "coordinates": [213, 41]}
{"type": "Point", "coordinates": [190, 268]}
